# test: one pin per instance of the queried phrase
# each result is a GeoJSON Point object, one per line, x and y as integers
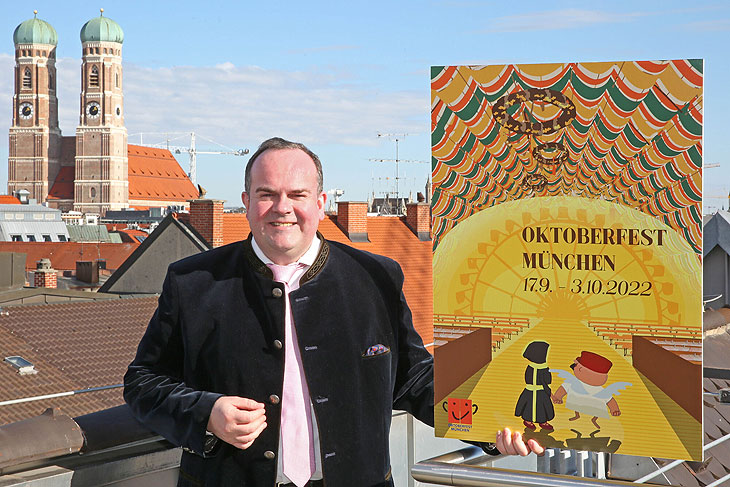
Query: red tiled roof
{"type": "Point", "coordinates": [64, 255]}
{"type": "Point", "coordinates": [63, 186]}
{"type": "Point", "coordinates": [72, 346]}
{"type": "Point", "coordinates": [154, 174]}
{"type": "Point", "coordinates": [6, 199]}
{"type": "Point", "coordinates": [235, 227]}
{"type": "Point", "coordinates": [388, 236]}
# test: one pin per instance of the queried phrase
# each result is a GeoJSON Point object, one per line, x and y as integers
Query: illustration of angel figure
{"type": "Point", "coordinates": [534, 405]}
{"type": "Point", "coordinates": [585, 389]}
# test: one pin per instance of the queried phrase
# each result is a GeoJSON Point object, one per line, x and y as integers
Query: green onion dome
{"type": "Point", "coordinates": [102, 29]}
{"type": "Point", "coordinates": [35, 31]}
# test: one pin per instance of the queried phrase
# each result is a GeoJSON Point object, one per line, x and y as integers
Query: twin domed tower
{"type": "Point", "coordinates": [94, 161]}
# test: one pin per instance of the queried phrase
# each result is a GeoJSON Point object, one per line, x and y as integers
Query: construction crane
{"type": "Point", "coordinates": [192, 150]}
{"type": "Point", "coordinates": [397, 138]}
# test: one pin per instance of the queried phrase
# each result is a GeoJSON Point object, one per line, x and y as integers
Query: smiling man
{"type": "Point", "coordinates": [278, 360]}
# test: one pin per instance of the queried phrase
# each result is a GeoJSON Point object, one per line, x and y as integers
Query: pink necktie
{"type": "Point", "coordinates": [296, 421]}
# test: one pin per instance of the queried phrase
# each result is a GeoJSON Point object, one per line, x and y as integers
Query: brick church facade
{"type": "Point", "coordinates": [95, 170]}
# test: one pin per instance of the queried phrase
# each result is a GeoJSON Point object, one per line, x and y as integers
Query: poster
{"type": "Point", "coordinates": [567, 227]}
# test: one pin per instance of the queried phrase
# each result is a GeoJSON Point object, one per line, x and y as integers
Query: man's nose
{"type": "Point", "coordinates": [282, 204]}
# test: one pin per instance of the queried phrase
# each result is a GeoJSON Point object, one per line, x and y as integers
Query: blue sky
{"type": "Point", "coordinates": [333, 74]}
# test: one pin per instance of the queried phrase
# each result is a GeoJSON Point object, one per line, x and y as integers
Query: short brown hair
{"type": "Point", "coordinates": [277, 143]}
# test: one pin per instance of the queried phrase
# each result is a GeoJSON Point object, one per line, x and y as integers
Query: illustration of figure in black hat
{"type": "Point", "coordinates": [534, 404]}
{"type": "Point", "coordinates": [585, 389]}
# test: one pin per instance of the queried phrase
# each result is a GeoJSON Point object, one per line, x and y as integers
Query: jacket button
{"type": "Point", "coordinates": [274, 399]}
{"type": "Point", "coordinates": [269, 455]}
{"type": "Point", "coordinates": [276, 292]}
{"type": "Point", "coordinates": [278, 345]}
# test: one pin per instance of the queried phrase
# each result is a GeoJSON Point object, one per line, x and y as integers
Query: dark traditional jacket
{"type": "Point", "coordinates": [219, 329]}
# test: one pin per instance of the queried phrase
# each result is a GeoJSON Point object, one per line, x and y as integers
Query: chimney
{"type": "Point", "coordinates": [418, 219]}
{"type": "Point", "coordinates": [352, 219]}
{"type": "Point", "coordinates": [206, 216]}
{"type": "Point", "coordinates": [45, 275]}
{"type": "Point", "coordinates": [23, 195]}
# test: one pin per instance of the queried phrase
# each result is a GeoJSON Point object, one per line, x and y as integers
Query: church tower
{"type": "Point", "coordinates": [35, 138]}
{"type": "Point", "coordinates": [101, 177]}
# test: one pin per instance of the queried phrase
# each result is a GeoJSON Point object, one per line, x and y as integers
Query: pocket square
{"type": "Point", "coordinates": [378, 349]}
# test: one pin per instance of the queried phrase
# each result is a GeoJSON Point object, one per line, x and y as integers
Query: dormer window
{"type": "Point", "coordinates": [26, 78]}
{"type": "Point", "coordinates": [94, 76]}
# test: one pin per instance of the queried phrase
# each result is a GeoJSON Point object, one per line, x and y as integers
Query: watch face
{"type": "Point", "coordinates": [26, 111]}
{"type": "Point", "coordinates": [92, 110]}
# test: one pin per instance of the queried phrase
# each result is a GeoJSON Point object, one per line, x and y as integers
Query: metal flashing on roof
{"type": "Point", "coordinates": [25, 367]}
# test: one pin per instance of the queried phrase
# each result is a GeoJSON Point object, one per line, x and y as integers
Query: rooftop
{"type": "Point", "coordinates": [64, 255]}
{"type": "Point", "coordinates": [73, 345]}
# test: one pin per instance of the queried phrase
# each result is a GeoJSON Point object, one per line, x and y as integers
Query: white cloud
{"type": "Point", "coordinates": [715, 25]}
{"type": "Point", "coordinates": [238, 105]}
{"type": "Point", "coordinates": [558, 20]}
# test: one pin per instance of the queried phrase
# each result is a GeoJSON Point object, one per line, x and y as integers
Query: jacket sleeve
{"type": "Point", "coordinates": [154, 387]}
{"type": "Point", "coordinates": [414, 378]}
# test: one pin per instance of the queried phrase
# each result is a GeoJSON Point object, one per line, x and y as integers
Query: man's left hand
{"type": "Point", "coordinates": [510, 443]}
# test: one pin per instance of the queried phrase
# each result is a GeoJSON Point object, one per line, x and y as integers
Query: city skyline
{"type": "Point", "coordinates": [334, 76]}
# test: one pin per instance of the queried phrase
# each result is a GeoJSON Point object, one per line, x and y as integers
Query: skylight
{"type": "Point", "coordinates": [24, 366]}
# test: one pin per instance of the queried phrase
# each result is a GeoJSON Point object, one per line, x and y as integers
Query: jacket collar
{"type": "Point", "coordinates": [257, 265]}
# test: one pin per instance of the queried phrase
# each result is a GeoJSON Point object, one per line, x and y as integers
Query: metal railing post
{"type": "Point", "coordinates": [465, 468]}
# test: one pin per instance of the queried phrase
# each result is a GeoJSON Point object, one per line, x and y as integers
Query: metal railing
{"type": "Point", "coordinates": [466, 467]}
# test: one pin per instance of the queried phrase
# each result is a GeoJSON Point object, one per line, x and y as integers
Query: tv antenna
{"type": "Point", "coordinates": [397, 138]}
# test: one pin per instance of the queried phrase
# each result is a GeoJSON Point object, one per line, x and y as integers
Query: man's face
{"type": "Point", "coordinates": [283, 205]}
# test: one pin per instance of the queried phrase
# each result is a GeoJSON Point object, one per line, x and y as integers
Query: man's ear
{"type": "Point", "coordinates": [321, 201]}
{"type": "Point", "coordinates": [245, 199]}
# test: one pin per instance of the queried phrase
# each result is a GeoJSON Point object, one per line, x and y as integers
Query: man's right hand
{"type": "Point", "coordinates": [237, 420]}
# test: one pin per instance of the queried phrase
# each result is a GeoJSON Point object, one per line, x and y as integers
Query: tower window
{"type": "Point", "coordinates": [51, 85]}
{"type": "Point", "coordinates": [116, 79]}
{"type": "Point", "coordinates": [94, 76]}
{"type": "Point", "coordinates": [26, 78]}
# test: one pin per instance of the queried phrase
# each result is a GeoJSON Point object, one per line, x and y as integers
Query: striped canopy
{"type": "Point", "coordinates": [635, 138]}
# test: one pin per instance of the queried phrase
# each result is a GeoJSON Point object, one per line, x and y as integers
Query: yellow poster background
{"type": "Point", "coordinates": [578, 231]}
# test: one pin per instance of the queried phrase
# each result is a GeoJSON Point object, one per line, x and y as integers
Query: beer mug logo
{"type": "Point", "coordinates": [460, 411]}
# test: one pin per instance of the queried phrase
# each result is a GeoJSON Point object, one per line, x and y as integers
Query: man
{"type": "Point", "coordinates": [318, 357]}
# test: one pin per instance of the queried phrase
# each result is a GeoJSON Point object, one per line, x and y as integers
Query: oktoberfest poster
{"type": "Point", "coordinates": [567, 213]}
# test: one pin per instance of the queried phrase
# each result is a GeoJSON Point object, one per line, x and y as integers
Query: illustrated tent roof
{"type": "Point", "coordinates": [636, 138]}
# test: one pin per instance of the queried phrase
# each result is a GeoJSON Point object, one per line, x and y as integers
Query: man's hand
{"type": "Point", "coordinates": [237, 420]}
{"type": "Point", "coordinates": [512, 444]}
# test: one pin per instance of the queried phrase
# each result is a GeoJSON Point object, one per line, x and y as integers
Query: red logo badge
{"type": "Point", "coordinates": [460, 411]}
